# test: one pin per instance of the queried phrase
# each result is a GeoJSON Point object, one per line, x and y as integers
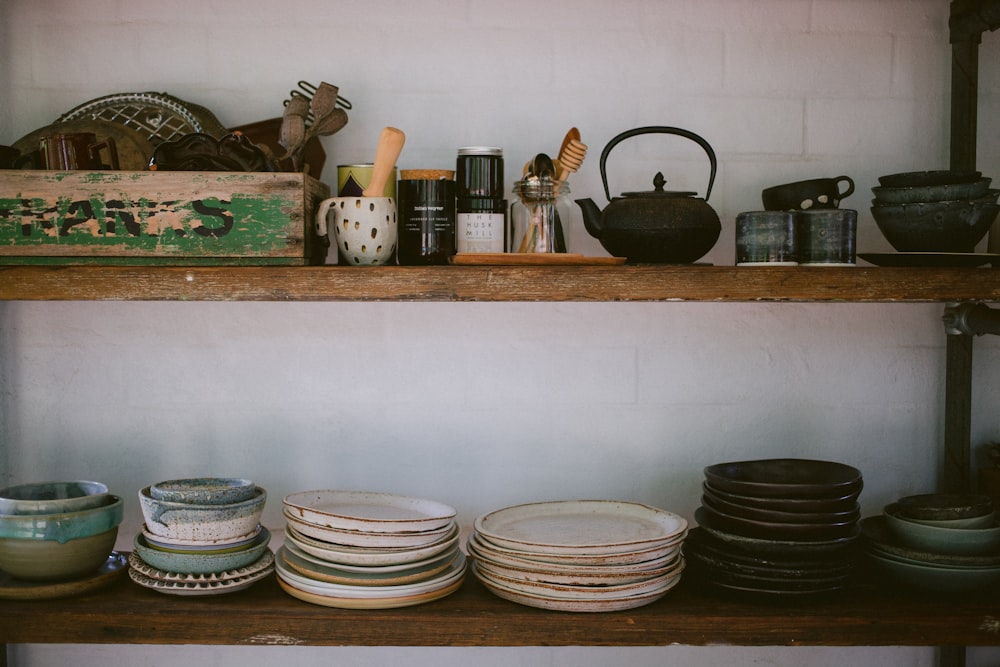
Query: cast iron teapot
{"type": "Point", "coordinates": [657, 226]}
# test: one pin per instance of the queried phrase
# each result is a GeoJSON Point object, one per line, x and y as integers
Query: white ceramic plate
{"type": "Point", "coordinates": [265, 562]}
{"type": "Point", "coordinates": [368, 603]}
{"type": "Point", "coordinates": [454, 571]}
{"type": "Point", "coordinates": [556, 604]}
{"type": "Point", "coordinates": [334, 553]}
{"type": "Point", "coordinates": [368, 511]}
{"type": "Point", "coordinates": [580, 527]}
{"type": "Point", "coordinates": [637, 561]}
{"type": "Point", "coordinates": [306, 566]}
{"type": "Point", "coordinates": [578, 592]}
{"type": "Point", "coordinates": [354, 538]}
{"type": "Point", "coordinates": [371, 570]}
{"type": "Point", "coordinates": [198, 588]}
{"type": "Point", "coordinates": [590, 577]}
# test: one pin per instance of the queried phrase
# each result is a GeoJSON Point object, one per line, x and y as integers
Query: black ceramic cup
{"type": "Point", "coordinates": [766, 238]}
{"type": "Point", "coordinates": [827, 237]}
{"type": "Point", "coordinates": [810, 194]}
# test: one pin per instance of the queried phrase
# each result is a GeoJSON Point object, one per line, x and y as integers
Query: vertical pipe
{"type": "Point", "coordinates": [956, 476]}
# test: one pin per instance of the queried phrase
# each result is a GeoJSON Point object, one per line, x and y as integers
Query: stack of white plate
{"type": "Point", "coordinates": [579, 555]}
{"type": "Point", "coordinates": [367, 550]}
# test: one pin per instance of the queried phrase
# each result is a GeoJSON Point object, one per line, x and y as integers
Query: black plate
{"type": "Point", "coordinates": [931, 259]}
{"type": "Point", "coordinates": [764, 546]}
{"type": "Point", "coordinates": [847, 502]}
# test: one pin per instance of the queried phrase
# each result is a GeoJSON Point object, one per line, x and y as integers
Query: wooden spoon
{"type": "Point", "coordinates": [390, 145]}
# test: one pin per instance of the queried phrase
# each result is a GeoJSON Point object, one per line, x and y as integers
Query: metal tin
{"type": "Point", "coordinates": [352, 179]}
{"type": "Point", "coordinates": [481, 211]}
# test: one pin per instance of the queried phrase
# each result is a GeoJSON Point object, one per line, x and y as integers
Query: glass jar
{"type": "Point", "coordinates": [539, 216]}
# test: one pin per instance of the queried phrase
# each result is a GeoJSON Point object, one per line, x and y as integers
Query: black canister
{"type": "Point", "coordinates": [426, 220]}
{"type": "Point", "coordinates": [481, 213]}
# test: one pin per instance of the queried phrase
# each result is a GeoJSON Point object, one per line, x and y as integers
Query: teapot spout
{"type": "Point", "coordinates": [591, 217]}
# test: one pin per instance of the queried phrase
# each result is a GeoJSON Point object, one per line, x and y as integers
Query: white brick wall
{"type": "Point", "coordinates": [483, 405]}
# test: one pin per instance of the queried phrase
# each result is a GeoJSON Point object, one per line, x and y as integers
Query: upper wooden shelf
{"type": "Point", "coordinates": [867, 614]}
{"type": "Point", "coordinates": [499, 283]}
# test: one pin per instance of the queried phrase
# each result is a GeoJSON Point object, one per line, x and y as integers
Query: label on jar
{"type": "Point", "coordinates": [479, 232]}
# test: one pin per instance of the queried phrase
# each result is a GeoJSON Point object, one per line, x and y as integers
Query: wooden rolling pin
{"type": "Point", "coordinates": [390, 145]}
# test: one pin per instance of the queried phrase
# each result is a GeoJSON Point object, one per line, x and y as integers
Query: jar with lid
{"type": "Point", "coordinates": [481, 210]}
{"type": "Point", "coordinates": [539, 216]}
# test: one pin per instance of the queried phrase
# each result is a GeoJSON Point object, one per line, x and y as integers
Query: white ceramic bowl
{"type": "Point", "coordinates": [187, 521]}
{"type": "Point", "coordinates": [52, 497]}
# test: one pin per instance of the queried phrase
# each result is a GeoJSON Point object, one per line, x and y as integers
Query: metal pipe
{"type": "Point", "coordinates": [973, 319]}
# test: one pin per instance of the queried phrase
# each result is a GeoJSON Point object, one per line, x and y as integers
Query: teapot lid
{"type": "Point", "coordinates": [658, 182]}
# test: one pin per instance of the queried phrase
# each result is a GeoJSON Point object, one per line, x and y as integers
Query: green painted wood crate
{"type": "Point", "coordinates": [160, 217]}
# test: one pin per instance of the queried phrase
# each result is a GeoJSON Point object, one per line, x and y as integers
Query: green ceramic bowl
{"type": "Point", "coordinates": [941, 540]}
{"type": "Point", "coordinates": [49, 560]}
{"type": "Point", "coordinates": [64, 526]}
{"type": "Point", "coordinates": [201, 562]}
{"type": "Point", "coordinates": [52, 497]}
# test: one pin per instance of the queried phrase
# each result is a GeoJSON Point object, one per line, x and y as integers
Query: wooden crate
{"type": "Point", "coordinates": [167, 218]}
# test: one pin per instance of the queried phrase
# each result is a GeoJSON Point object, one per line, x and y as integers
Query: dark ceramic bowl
{"type": "Point", "coordinates": [769, 530]}
{"type": "Point", "coordinates": [947, 226]}
{"type": "Point", "coordinates": [911, 179]}
{"type": "Point", "coordinates": [714, 501]}
{"type": "Point", "coordinates": [930, 193]}
{"type": "Point", "coordinates": [785, 478]}
{"type": "Point", "coordinates": [844, 503]}
{"type": "Point", "coordinates": [778, 549]}
{"type": "Point", "coordinates": [944, 506]}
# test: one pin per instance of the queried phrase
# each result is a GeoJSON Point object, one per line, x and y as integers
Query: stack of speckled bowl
{"type": "Point", "coordinates": [579, 555]}
{"type": "Point", "coordinates": [368, 550]}
{"type": "Point", "coordinates": [202, 536]}
{"type": "Point", "coordinates": [57, 532]}
{"type": "Point", "coordinates": [785, 527]}
{"type": "Point", "coordinates": [943, 211]}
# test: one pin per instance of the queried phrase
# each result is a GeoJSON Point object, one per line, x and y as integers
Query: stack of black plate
{"type": "Point", "coordinates": [777, 526]}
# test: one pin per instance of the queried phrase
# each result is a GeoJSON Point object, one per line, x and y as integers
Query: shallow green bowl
{"type": "Point", "coordinates": [204, 562]}
{"type": "Point", "coordinates": [52, 497]}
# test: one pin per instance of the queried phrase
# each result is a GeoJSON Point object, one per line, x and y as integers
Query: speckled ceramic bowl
{"type": "Point", "coordinates": [52, 497]}
{"type": "Point", "coordinates": [186, 521]}
{"type": "Point", "coordinates": [204, 490]}
{"type": "Point", "coordinates": [64, 526]}
{"type": "Point", "coordinates": [205, 562]}
{"type": "Point", "coordinates": [49, 560]}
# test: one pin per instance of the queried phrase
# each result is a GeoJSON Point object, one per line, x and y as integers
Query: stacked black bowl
{"type": "Point", "coordinates": [777, 526]}
{"type": "Point", "coordinates": [943, 211]}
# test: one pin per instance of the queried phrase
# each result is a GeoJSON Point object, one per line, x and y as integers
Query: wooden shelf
{"type": "Point", "coordinates": [867, 614]}
{"type": "Point", "coordinates": [499, 283]}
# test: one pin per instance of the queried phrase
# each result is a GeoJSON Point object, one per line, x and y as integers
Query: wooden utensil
{"type": "Point", "coordinates": [390, 145]}
{"type": "Point", "coordinates": [571, 154]}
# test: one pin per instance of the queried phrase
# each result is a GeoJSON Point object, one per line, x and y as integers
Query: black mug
{"type": "Point", "coordinates": [803, 195]}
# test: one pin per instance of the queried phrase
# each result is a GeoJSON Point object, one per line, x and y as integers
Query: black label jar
{"type": "Point", "coordinates": [426, 220]}
{"type": "Point", "coordinates": [481, 210]}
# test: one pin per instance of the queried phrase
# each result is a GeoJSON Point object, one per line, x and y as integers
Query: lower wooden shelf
{"type": "Point", "coordinates": [868, 613]}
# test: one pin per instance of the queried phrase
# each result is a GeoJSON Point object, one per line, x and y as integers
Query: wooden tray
{"type": "Point", "coordinates": [519, 258]}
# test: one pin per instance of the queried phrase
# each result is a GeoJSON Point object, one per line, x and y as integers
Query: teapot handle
{"type": "Point", "coordinates": [658, 129]}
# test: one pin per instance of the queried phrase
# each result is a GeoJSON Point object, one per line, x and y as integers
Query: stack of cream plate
{"type": "Point", "coordinates": [579, 555]}
{"type": "Point", "coordinates": [367, 550]}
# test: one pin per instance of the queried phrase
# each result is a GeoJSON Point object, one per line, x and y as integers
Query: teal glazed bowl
{"type": "Point", "coordinates": [204, 490]}
{"type": "Point", "coordinates": [941, 540]}
{"type": "Point", "coordinates": [65, 526]}
{"type": "Point", "coordinates": [49, 560]}
{"type": "Point", "coordinates": [206, 562]}
{"type": "Point", "coordinates": [52, 497]}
